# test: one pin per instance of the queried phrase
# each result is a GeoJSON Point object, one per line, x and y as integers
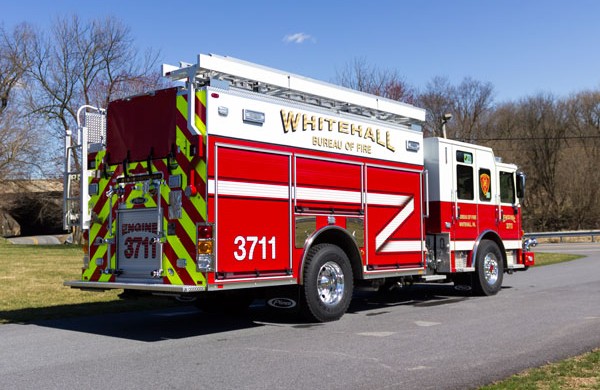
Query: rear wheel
{"type": "Point", "coordinates": [489, 269]}
{"type": "Point", "coordinates": [328, 283]}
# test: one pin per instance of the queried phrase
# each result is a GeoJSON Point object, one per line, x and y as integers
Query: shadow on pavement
{"type": "Point", "coordinates": [181, 321]}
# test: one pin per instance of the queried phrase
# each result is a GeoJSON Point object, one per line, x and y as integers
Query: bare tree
{"type": "Point", "coordinates": [543, 127]}
{"type": "Point", "coordinates": [359, 75]}
{"type": "Point", "coordinates": [582, 158]}
{"type": "Point", "coordinates": [437, 99]}
{"type": "Point", "coordinates": [470, 103]}
{"type": "Point", "coordinates": [20, 145]}
{"type": "Point", "coordinates": [13, 60]}
{"type": "Point", "coordinates": [86, 63]}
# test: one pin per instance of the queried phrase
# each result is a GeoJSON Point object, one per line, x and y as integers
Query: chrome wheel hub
{"type": "Point", "coordinates": [330, 283]}
{"type": "Point", "coordinates": [490, 268]}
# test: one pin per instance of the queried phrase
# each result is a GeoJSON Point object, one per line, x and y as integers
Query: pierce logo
{"type": "Point", "coordinates": [281, 303]}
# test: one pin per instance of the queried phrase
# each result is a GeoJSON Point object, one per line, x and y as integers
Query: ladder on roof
{"type": "Point", "coordinates": [91, 133]}
{"type": "Point", "coordinates": [273, 82]}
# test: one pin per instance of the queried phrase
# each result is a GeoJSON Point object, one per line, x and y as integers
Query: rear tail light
{"type": "Point", "coordinates": [205, 232]}
{"type": "Point", "coordinates": [205, 259]}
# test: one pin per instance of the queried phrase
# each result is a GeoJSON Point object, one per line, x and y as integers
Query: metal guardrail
{"type": "Point", "coordinates": [593, 234]}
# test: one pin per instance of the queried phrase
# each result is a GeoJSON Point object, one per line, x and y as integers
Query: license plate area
{"type": "Point", "coordinates": [139, 251]}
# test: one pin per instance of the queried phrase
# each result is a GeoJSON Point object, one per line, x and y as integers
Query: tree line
{"type": "Point", "coordinates": [45, 76]}
{"type": "Point", "coordinates": [554, 140]}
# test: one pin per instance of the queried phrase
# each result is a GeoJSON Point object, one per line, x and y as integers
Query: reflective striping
{"type": "Point", "coordinates": [512, 244]}
{"type": "Point", "coordinates": [462, 245]}
{"type": "Point", "coordinates": [381, 240]}
{"type": "Point", "coordinates": [257, 190]}
{"type": "Point", "coordinates": [201, 111]}
{"type": "Point", "coordinates": [386, 199]}
{"type": "Point", "coordinates": [305, 193]}
{"type": "Point", "coordinates": [402, 246]}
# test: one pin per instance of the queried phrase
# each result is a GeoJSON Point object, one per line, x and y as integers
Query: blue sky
{"type": "Point", "coordinates": [523, 47]}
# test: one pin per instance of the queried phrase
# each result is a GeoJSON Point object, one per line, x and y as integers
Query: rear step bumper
{"type": "Point", "coordinates": [164, 288]}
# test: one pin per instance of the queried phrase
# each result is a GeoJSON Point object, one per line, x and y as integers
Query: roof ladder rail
{"type": "Point", "coordinates": [273, 82]}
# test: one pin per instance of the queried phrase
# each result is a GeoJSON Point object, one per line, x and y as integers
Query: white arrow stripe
{"type": "Point", "coordinates": [391, 227]}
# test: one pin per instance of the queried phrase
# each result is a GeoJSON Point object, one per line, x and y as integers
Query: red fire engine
{"type": "Point", "coordinates": [247, 179]}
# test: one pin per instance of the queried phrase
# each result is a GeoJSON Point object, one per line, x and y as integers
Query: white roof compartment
{"type": "Point", "coordinates": [261, 79]}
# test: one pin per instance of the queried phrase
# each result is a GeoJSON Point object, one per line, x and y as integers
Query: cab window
{"type": "Point", "coordinates": [464, 182]}
{"type": "Point", "coordinates": [507, 187]}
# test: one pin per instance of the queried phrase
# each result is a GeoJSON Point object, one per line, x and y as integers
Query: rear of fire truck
{"type": "Point", "coordinates": [143, 212]}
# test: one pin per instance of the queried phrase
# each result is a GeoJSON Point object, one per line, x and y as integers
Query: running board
{"type": "Point", "coordinates": [433, 278]}
{"type": "Point", "coordinates": [164, 288]}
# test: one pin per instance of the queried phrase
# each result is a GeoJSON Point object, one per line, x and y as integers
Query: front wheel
{"type": "Point", "coordinates": [328, 283]}
{"type": "Point", "coordinates": [489, 269]}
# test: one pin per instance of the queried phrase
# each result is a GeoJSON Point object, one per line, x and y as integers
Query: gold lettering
{"type": "Point", "coordinates": [356, 129]}
{"type": "Point", "coordinates": [289, 121]}
{"type": "Point", "coordinates": [363, 148]}
{"type": "Point", "coordinates": [331, 122]}
{"type": "Point", "coordinates": [312, 122]}
{"type": "Point", "coordinates": [369, 134]}
{"type": "Point", "coordinates": [379, 141]}
{"type": "Point", "coordinates": [343, 127]}
{"type": "Point", "coordinates": [388, 144]}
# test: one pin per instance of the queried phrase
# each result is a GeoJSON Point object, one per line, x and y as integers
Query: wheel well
{"type": "Point", "coordinates": [340, 237]}
{"type": "Point", "coordinates": [491, 236]}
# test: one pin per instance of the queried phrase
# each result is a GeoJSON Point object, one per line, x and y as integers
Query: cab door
{"type": "Point", "coordinates": [464, 220]}
{"type": "Point", "coordinates": [509, 226]}
{"type": "Point", "coordinates": [487, 192]}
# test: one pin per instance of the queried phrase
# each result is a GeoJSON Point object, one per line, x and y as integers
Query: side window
{"type": "Point", "coordinates": [485, 185]}
{"type": "Point", "coordinates": [507, 188]}
{"type": "Point", "coordinates": [464, 182]}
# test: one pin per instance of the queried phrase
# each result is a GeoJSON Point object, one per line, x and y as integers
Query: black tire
{"type": "Point", "coordinates": [328, 283]}
{"type": "Point", "coordinates": [224, 302]}
{"type": "Point", "coordinates": [489, 269]}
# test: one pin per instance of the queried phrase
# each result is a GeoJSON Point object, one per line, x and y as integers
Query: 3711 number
{"type": "Point", "coordinates": [133, 245]}
{"type": "Point", "coordinates": [249, 247]}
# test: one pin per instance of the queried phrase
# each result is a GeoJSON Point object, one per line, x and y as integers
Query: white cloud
{"type": "Point", "coordinates": [297, 38]}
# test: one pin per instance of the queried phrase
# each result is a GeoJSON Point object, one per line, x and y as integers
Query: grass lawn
{"type": "Point", "coordinates": [580, 372]}
{"type": "Point", "coordinates": [31, 285]}
{"type": "Point", "coordinates": [553, 258]}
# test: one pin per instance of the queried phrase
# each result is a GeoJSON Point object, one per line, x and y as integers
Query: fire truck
{"type": "Point", "coordinates": [245, 181]}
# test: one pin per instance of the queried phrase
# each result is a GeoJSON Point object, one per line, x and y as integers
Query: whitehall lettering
{"type": "Point", "coordinates": [294, 121]}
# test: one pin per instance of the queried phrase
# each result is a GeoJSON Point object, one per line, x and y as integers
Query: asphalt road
{"type": "Point", "coordinates": [425, 337]}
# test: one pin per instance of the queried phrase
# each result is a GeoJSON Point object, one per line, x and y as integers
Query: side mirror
{"type": "Point", "coordinates": [521, 178]}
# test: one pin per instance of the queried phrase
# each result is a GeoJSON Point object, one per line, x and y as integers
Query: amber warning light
{"type": "Point", "coordinates": [205, 248]}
